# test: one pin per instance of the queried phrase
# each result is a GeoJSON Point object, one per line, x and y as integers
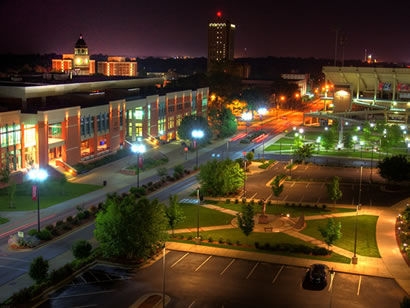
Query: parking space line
{"type": "Point", "coordinates": [252, 270]}
{"type": "Point", "coordinates": [202, 263]}
{"type": "Point", "coordinates": [230, 263]}
{"type": "Point", "coordinates": [83, 279]}
{"type": "Point", "coordinates": [332, 276]}
{"type": "Point", "coordinates": [358, 287]}
{"type": "Point", "coordinates": [92, 274]}
{"type": "Point", "coordinates": [179, 260]}
{"type": "Point", "coordinates": [192, 304]}
{"type": "Point", "coordinates": [83, 294]}
{"type": "Point", "coordinates": [277, 274]}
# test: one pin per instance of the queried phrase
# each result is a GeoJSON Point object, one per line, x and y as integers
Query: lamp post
{"type": "Point", "coordinates": [247, 116]}
{"type": "Point", "coordinates": [354, 258]}
{"type": "Point", "coordinates": [244, 175]}
{"type": "Point", "coordinates": [37, 175]}
{"type": "Point", "coordinates": [197, 134]}
{"type": "Point", "coordinates": [198, 200]}
{"type": "Point", "coordinates": [139, 149]}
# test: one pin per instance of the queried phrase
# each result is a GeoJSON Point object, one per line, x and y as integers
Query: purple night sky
{"type": "Point", "coordinates": [159, 28]}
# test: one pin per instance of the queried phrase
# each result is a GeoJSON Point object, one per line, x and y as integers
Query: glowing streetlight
{"type": "Point", "coordinates": [139, 149]}
{"type": "Point", "coordinates": [197, 134]}
{"type": "Point", "coordinates": [247, 116]}
{"type": "Point", "coordinates": [37, 175]}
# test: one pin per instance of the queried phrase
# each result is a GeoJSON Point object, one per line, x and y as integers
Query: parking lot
{"type": "Point", "coordinates": [199, 280]}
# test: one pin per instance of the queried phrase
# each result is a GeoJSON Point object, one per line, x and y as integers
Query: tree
{"type": "Point", "coordinates": [81, 249]}
{"type": "Point", "coordinates": [39, 269]}
{"type": "Point", "coordinates": [223, 122]}
{"type": "Point", "coordinates": [395, 168]}
{"type": "Point", "coordinates": [303, 152]}
{"type": "Point", "coordinates": [329, 138]}
{"type": "Point", "coordinates": [130, 227]}
{"type": "Point", "coordinates": [221, 177]}
{"type": "Point", "coordinates": [332, 231]}
{"type": "Point", "coordinates": [277, 185]}
{"type": "Point", "coordinates": [245, 219]}
{"type": "Point", "coordinates": [173, 212]}
{"type": "Point", "coordinates": [192, 122]}
{"type": "Point", "coordinates": [333, 189]}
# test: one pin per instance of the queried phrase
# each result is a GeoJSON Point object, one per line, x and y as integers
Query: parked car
{"type": "Point", "coordinates": [318, 274]}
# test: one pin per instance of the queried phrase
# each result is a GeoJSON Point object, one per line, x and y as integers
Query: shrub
{"type": "Point", "coordinates": [221, 240]}
{"type": "Point", "coordinates": [32, 232]}
{"type": "Point", "coordinates": [320, 251]}
{"type": "Point", "coordinates": [38, 269]}
{"type": "Point", "coordinates": [81, 249]}
{"type": "Point", "coordinates": [60, 274]}
{"type": "Point", "coordinates": [45, 235]}
{"type": "Point", "coordinates": [210, 239]}
{"type": "Point", "coordinates": [228, 201]}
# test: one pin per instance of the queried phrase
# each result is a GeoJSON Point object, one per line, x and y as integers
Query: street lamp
{"type": "Point", "coordinates": [354, 258]}
{"type": "Point", "coordinates": [247, 116]}
{"type": "Point", "coordinates": [198, 200]}
{"type": "Point", "coordinates": [37, 175]}
{"type": "Point", "coordinates": [197, 134]}
{"type": "Point", "coordinates": [318, 139]}
{"type": "Point", "coordinates": [139, 149]}
{"type": "Point", "coordinates": [244, 175]}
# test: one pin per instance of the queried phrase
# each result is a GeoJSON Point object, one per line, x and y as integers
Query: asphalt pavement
{"type": "Point", "coordinates": [390, 265]}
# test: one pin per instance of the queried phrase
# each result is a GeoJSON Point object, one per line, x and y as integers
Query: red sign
{"type": "Point", "coordinates": [34, 192]}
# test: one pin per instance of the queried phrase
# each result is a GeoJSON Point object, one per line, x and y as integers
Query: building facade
{"type": "Point", "coordinates": [83, 131]}
{"type": "Point", "coordinates": [117, 66]}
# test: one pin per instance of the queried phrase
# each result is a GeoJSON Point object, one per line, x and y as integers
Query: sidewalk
{"type": "Point", "coordinates": [391, 264]}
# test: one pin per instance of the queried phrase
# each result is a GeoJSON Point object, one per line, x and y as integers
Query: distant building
{"type": "Point", "coordinates": [117, 66]}
{"type": "Point", "coordinates": [221, 38]}
{"type": "Point", "coordinates": [79, 63]}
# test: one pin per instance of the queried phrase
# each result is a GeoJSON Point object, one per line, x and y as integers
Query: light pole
{"type": "Point", "coordinates": [197, 134]}
{"type": "Point", "coordinates": [247, 116]}
{"type": "Point", "coordinates": [37, 175]}
{"type": "Point", "coordinates": [354, 258]}
{"type": "Point", "coordinates": [198, 200]}
{"type": "Point", "coordinates": [244, 175]}
{"type": "Point", "coordinates": [139, 149]}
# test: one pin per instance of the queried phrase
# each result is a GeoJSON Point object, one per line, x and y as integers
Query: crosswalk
{"type": "Point", "coordinates": [189, 200]}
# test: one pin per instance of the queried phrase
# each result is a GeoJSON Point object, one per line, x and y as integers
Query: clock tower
{"type": "Point", "coordinates": [81, 61]}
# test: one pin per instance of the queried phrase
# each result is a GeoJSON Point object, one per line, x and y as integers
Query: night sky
{"type": "Point", "coordinates": [162, 28]}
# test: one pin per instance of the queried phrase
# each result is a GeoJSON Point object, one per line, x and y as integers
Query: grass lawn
{"type": "Point", "coordinates": [51, 192]}
{"type": "Point", "coordinates": [235, 237]}
{"type": "Point", "coordinates": [366, 244]}
{"type": "Point", "coordinates": [207, 217]}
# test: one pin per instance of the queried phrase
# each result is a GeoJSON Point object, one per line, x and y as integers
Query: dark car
{"type": "Point", "coordinates": [318, 274]}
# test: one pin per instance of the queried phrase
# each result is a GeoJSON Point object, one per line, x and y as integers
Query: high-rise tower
{"type": "Point", "coordinates": [221, 35]}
